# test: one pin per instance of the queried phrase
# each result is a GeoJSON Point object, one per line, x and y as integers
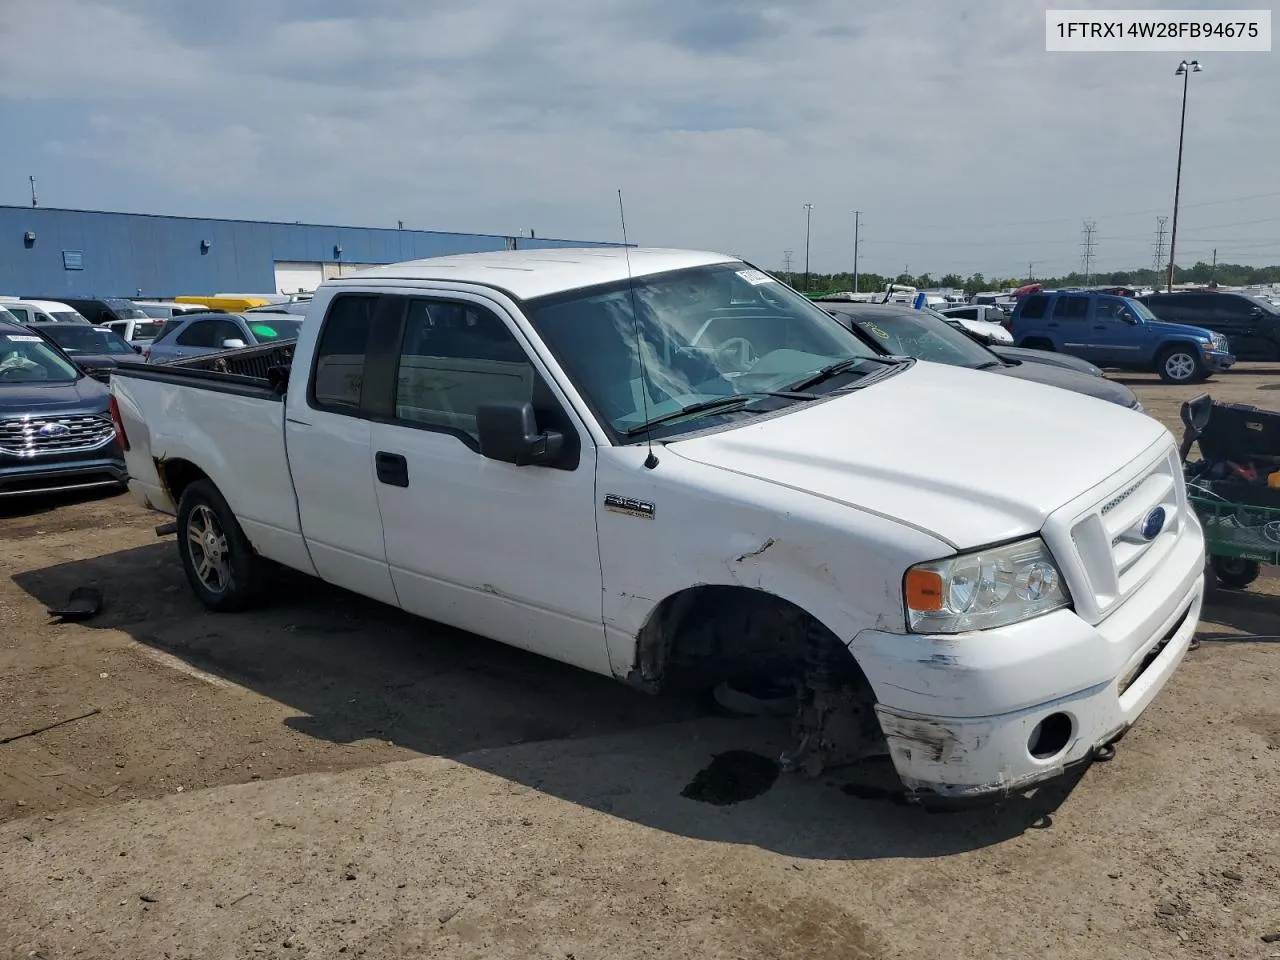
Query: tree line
{"type": "Point", "coordinates": [1225, 274]}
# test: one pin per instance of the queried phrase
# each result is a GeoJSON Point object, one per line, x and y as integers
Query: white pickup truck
{"type": "Point", "coordinates": [667, 467]}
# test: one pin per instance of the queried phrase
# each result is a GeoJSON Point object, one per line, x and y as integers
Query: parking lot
{"type": "Point", "coordinates": [327, 776]}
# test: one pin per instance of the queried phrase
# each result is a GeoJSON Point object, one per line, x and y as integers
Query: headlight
{"type": "Point", "coordinates": [983, 589]}
{"type": "Point", "coordinates": [1137, 405]}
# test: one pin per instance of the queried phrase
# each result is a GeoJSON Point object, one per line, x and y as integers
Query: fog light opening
{"type": "Point", "coordinates": [1051, 736]}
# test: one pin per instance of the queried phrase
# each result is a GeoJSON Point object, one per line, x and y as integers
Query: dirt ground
{"type": "Point", "coordinates": [327, 777]}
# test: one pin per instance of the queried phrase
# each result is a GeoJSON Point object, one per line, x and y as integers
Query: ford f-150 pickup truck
{"type": "Point", "coordinates": [668, 467]}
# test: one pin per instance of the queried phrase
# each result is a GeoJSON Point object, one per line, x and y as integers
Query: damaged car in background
{"type": "Point", "coordinates": [668, 468]}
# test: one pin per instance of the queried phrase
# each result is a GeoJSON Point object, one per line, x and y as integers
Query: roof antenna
{"type": "Point", "coordinates": [650, 461]}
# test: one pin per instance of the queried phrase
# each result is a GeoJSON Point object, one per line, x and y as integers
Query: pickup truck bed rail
{"type": "Point", "coordinates": [250, 371]}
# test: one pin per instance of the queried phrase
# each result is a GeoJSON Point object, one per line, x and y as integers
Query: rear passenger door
{"type": "Point", "coordinates": [504, 551]}
{"type": "Point", "coordinates": [1068, 321]}
{"type": "Point", "coordinates": [327, 433]}
{"type": "Point", "coordinates": [1235, 318]}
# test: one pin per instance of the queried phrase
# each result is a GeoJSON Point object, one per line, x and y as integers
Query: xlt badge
{"type": "Point", "coordinates": [632, 508]}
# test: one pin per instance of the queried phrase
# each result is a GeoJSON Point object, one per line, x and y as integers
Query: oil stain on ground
{"type": "Point", "coordinates": [732, 777]}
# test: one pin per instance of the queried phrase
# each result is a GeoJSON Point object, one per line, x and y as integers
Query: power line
{"type": "Point", "coordinates": [1106, 216]}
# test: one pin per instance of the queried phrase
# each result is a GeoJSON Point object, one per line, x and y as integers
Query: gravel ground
{"type": "Point", "coordinates": [327, 777]}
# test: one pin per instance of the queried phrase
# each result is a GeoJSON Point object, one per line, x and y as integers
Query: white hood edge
{"type": "Point", "coordinates": [959, 454]}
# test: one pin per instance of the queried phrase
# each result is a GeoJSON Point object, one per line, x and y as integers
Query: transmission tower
{"type": "Point", "coordinates": [1086, 259]}
{"type": "Point", "coordinates": [786, 261]}
{"type": "Point", "coordinates": [1157, 262]}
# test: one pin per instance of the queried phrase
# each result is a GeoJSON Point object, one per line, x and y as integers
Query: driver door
{"type": "Point", "coordinates": [505, 551]}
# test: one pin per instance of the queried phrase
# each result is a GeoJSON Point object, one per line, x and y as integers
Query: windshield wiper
{"type": "Point", "coordinates": [716, 403]}
{"type": "Point", "coordinates": [991, 365]}
{"type": "Point", "coordinates": [839, 367]}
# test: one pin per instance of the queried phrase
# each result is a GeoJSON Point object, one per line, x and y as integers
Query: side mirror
{"type": "Point", "coordinates": [509, 433]}
{"type": "Point", "coordinates": [232, 344]}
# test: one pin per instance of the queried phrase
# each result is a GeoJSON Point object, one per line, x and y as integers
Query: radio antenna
{"type": "Point", "coordinates": [650, 461]}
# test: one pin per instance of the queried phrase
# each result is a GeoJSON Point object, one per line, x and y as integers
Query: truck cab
{"type": "Point", "coordinates": [1119, 332]}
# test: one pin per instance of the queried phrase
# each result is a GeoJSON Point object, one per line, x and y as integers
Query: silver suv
{"type": "Point", "coordinates": [204, 333]}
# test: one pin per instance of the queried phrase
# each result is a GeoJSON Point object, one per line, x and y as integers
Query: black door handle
{"type": "Point", "coordinates": [1099, 326]}
{"type": "Point", "coordinates": [392, 469]}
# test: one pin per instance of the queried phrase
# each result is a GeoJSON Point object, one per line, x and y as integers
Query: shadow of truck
{"type": "Point", "coordinates": [353, 669]}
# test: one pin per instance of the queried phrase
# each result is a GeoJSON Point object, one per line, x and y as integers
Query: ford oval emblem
{"type": "Point", "coordinates": [51, 430]}
{"type": "Point", "coordinates": [1153, 524]}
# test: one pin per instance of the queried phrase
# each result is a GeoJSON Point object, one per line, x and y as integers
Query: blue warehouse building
{"type": "Point", "coordinates": [47, 252]}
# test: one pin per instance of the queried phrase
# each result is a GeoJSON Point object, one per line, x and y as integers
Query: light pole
{"type": "Point", "coordinates": [857, 221]}
{"type": "Point", "coordinates": [808, 213]}
{"type": "Point", "coordinates": [1185, 69]}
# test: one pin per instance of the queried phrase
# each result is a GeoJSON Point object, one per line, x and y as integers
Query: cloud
{"type": "Point", "coordinates": [963, 143]}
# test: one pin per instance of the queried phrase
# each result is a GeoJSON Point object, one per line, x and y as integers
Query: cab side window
{"type": "Point", "coordinates": [456, 356]}
{"type": "Point", "coordinates": [340, 354]}
{"type": "Point", "coordinates": [1071, 308]}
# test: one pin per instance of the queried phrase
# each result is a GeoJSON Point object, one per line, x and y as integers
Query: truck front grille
{"type": "Point", "coordinates": [42, 436]}
{"type": "Point", "coordinates": [1112, 547]}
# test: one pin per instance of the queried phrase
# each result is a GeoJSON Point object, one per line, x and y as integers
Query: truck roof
{"type": "Point", "coordinates": [535, 273]}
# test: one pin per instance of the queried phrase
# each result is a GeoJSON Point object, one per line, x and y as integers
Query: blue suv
{"type": "Point", "coordinates": [1114, 331]}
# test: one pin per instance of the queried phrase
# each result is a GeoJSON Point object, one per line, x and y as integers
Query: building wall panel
{"type": "Point", "coordinates": [128, 255]}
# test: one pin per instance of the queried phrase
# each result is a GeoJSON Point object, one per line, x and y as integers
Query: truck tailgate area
{"type": "Point", "coordinates": [176, 420]}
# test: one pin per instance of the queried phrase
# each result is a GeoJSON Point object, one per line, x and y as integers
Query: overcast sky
{"type": "Point", "coordinates": [966, 146]}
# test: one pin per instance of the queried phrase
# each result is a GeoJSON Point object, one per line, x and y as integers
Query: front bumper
{"type": "Point", "coordinates": [1218, 360]}
{"type": "Point", "coordinates": [19, 478]}
{"type": "Point", "coordinates": [967, 716]}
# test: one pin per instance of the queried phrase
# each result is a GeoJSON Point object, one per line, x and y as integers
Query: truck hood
{"type": "Point", "coordinates": [85, 395]}
{"type": "Point", "coordinates": [965, 456]}
{"type": "Point", "coordinates": [1166, 329]}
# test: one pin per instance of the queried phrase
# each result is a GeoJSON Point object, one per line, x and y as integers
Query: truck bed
{"type": "Point", "coordinates": [199, 414]}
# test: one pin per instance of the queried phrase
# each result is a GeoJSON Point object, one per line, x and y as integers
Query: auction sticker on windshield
{"type": "Point", "coordinates": [755, 277]}
{"type": "Point", "coordinates": [24, 338]}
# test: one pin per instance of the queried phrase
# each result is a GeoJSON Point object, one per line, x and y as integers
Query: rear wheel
{"type": "Point", "coordinates": [1181, 365]}
{"type": "Point", "coordinates": [221, 565]}
{"type": "Point", "coordinates": [1235, 573]}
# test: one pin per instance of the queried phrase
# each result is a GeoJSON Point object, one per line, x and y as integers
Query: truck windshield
{"type": "Point", "coordinates": [78, 338]}
{"type": "Point", "coordinates": [1141, 309]}
{"type": "Point", "coordinates": [26, 358]}
{"type": "Point", "coordinates": [695, 335]}
{"type": "Point", "coordinates": [916, 334]}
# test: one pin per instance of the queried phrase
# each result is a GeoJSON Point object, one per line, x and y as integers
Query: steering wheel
{"type": "Point", "coordinates": [738, 351]}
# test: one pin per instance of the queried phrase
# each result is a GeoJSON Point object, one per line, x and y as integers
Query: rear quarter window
{"type": "Point", "coordinates": [338, 375]}
{"type": "Point", "coordinates": [1033, 307]}
{"type": "Point", "coordinates": [167, 330]}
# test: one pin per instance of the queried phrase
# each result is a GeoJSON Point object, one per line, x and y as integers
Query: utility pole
{"type": "Point", "coordinates": [34, 201]}
{"type": "Point", "coordinates": [808, 213]}
{"type": "Point", "coordinates": [1031, 273]}
{"type": "Point", "coordinates": [1157, 262]}
{"type": "Point", "coordinates": [1213, 271]}
{"type": "Point", "coordinates": [857, 218]}
{"type": "Point", "coordinates": [1090, 228]}
{"type": "Point", "coordinates": [1185, 69]}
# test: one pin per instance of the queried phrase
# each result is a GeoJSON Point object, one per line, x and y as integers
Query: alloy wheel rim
{"type": "Point", "coordinates": [208, 546]}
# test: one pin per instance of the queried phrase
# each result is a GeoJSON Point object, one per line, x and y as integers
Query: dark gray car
{"type": "Point", "coordinates": [907, 332]}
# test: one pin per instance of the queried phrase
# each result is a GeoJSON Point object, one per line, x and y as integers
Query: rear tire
{"type": "Point", "coordinates": [1181, 365]}
{"type": "Point", "coordinates": [221, 565]}
{"type": "Point", "coordinates": [1235, 573]}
